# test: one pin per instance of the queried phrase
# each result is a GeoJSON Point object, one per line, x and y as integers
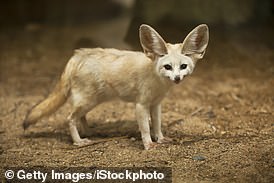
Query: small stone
{"type": "Point", "coordinates": [211, 114]}
{"type": "Point", "coordinates": [132, 139]}
{"type": "Point", "coordinates": [198, 158]}
{"type": "Point", "coordinates": [223, 132]}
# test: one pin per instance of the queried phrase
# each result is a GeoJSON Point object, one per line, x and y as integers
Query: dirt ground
{"type": "Point", "coordinates": [221, 118]}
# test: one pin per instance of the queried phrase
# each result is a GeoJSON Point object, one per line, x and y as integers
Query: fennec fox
{"type": "Point", "coordinates": [93, 76]}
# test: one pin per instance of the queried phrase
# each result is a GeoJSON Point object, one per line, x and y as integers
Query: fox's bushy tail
{"type": "Point", "coordinates": [56, 99]}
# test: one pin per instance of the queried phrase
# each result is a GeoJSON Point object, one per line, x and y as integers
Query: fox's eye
{"type": "Point", "coordinates": [183, 66]}
{"type": "Point", "coordinates": [167, 67]}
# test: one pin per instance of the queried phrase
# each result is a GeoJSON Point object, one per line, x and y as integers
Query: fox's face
{"type": "Point", "coordinates": [174, 65]}
{"type": "Point", "coordinates": [174, 61]}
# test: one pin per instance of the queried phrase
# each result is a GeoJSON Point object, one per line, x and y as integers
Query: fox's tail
{"type": "Point", "coordinates": [57, 98]}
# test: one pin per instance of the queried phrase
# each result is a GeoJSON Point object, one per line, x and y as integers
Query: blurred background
{"type": "Point", "coordinates": [114, 23]}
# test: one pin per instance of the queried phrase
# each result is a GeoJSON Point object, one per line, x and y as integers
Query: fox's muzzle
{"type": "Point", "coordinates": [177, 79]}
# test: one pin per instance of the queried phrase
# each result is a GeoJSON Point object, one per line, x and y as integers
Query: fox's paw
{"type": "Point", "coordinates": [150, 145]}
{"type": "Point", "coordinates": [82, 142]}
{"type": "Point", "coordinates": [164, 140]}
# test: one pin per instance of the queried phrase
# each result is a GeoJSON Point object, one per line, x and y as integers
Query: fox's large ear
{"type": "Point", "coordinates": [153, 44]}
{"type": "Point", "coordinates": [196, 42]}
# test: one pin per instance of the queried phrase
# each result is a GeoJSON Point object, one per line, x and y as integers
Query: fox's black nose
{"type": "Point", "coordinates": [177, 79]}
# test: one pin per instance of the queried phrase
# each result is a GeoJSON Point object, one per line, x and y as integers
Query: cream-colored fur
{"type": "Point", "coordinates": [93, 76]}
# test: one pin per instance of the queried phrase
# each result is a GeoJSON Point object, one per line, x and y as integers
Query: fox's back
{"type": "Point", "coordinates": [110, 72]}
{"type": "Point", "coordinates": [111, 59]}
{"type": "Point", "coordinates": [112, 63]}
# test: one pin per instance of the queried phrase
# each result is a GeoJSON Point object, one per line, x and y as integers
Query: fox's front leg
{"type": "Point", "coordinates": [143, 115]}
{"type": "Point", "coordinates": [156, 124]}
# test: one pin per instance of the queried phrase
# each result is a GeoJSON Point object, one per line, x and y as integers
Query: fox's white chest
{"type": "Point", "coordinates": [153, 93]}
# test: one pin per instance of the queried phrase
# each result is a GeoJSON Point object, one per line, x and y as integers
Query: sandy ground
{"type": "Point", "coordinates": [220, 118]}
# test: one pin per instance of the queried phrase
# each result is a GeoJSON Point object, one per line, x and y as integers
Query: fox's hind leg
{"type": "Point", "coordinates": [74, 118]}
{"type": "Point", "coordinates": [81, 105]}
{"type": "Point", "coordinates": [84, 127]}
